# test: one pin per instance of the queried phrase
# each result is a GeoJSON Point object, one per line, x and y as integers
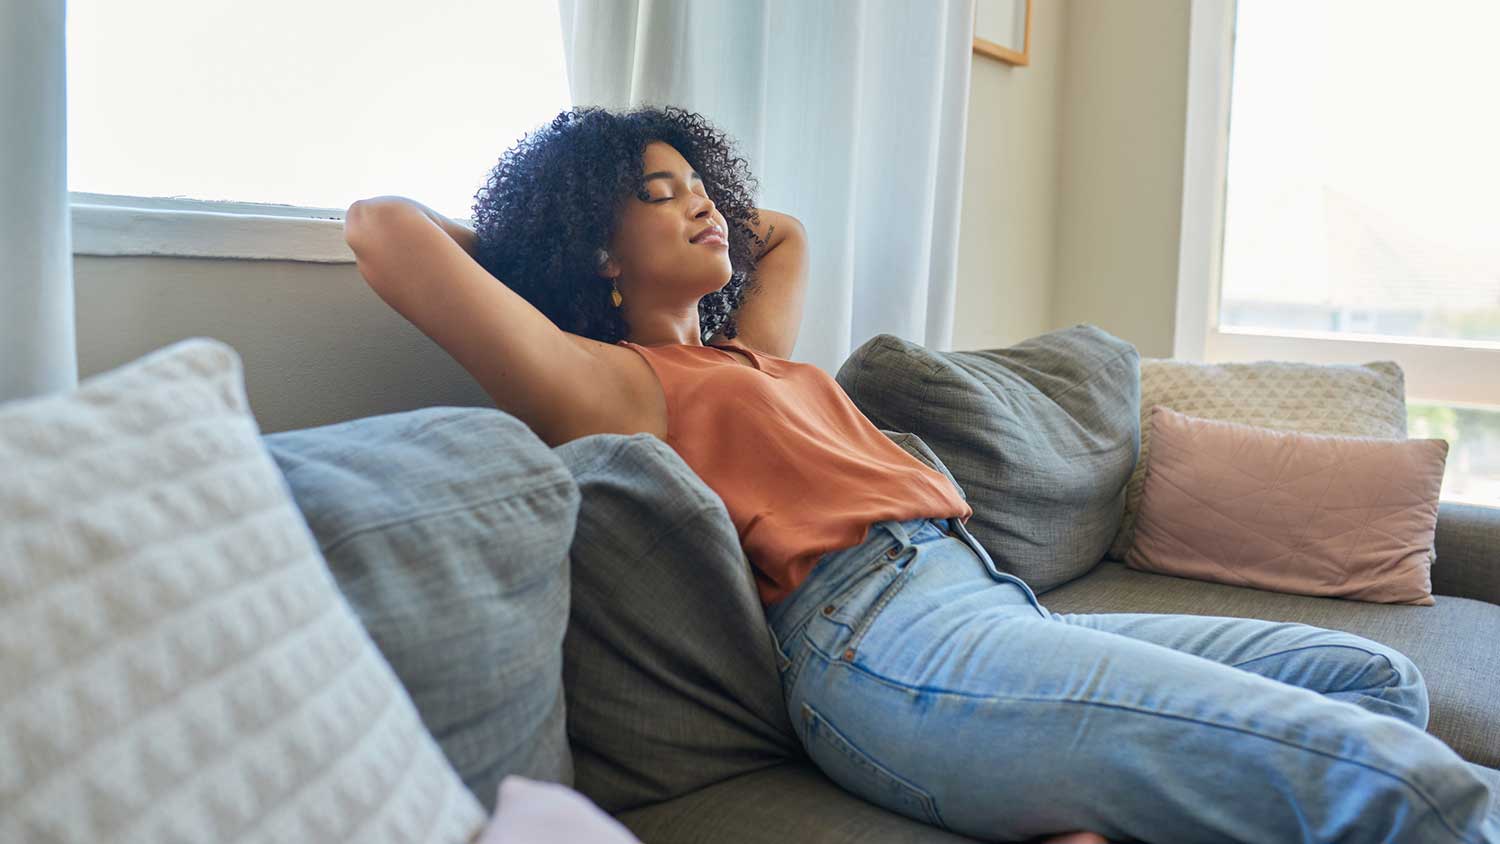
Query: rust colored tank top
{"type": "Point", "coordinates": [800, 469]}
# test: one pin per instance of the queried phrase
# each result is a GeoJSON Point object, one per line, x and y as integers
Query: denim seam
{"type": "Point", "coordinates": [1329, 645]}
{"type": "Point", "coordinates": [862, 756]}
{"type": "Point", "coordinates": [1432, 806]}
{"type": "Point", "coordinates": [841, 597]}
{"type": "Point", "coordinates": [406, 518]}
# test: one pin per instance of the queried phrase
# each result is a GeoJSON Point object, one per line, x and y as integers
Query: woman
{"type": "Point", "coordinates": [918, 675]}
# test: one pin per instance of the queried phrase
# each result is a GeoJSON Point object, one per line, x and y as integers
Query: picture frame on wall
{"type": "Point", "coordinates": [1002, 30]}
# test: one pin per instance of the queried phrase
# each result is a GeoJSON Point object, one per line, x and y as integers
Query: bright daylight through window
{"type": "Point", "coordinates": [1362, 190]}
{"type": "Point", "coordinates": [305, 104]}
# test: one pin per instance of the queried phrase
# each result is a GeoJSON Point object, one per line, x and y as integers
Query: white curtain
{"type": "Point", "coordinates": [37, 351]}
{"type": "Point", "coordinates": [851, 116]}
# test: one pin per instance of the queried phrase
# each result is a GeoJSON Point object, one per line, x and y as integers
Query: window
{"type": "Point", "coordinates": [1362, 183]}
{"type": "Point", "coordinates": [280, 105]}
{"type": "Point", "coordinates": [1340, 203]}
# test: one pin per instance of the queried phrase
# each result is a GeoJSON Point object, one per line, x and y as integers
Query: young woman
{"type": "Point", "coordinates": [619, 279]}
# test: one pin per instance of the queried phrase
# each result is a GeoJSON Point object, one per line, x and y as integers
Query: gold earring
{"type": "Point", "coordinates": [615, 295]}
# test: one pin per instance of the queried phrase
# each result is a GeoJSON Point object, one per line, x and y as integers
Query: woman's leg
{"type": "Point", "coordinates": [927, 685]}
{"type": "Point", "coordinates": [1336, 664]}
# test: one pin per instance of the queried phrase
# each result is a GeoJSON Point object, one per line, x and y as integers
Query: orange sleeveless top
{"type": "Point", "coordinates": [800, 469]}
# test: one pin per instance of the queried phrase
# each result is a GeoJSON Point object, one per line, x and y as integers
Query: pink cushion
{"type": "Point", "coordinates": [1312, 514]}
{"type": "Point", "coordinates": [531, 811]}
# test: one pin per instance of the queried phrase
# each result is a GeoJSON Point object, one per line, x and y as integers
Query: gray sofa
{"type": "Point", "coordinates": [586, 615]}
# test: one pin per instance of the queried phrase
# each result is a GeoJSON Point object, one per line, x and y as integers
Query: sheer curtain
{"type": "Point", "coordinates": [37, 351]}
{"type": "Point", "coordinates": [851, 116]}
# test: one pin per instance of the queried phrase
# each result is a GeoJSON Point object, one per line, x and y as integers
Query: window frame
{"type": "Point", "coordinates": [1436, 371]}
{"type": "Point", "coordinates": [115, 225]}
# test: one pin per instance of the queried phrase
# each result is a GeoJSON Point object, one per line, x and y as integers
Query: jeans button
{"type": "Point", "coordinates": [894, 552]}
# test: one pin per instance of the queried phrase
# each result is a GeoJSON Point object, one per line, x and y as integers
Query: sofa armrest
{"type": "Point", "coordinates": [1468, 552]}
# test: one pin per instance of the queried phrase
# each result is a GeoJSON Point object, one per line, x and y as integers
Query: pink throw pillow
{"type": "Point", "coordinates": [1311, 514]}
{"type": "Point", "coordinates": [531, 811]}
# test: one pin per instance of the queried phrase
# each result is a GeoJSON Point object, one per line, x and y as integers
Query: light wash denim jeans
{"type": "Point", "coordinates": [922, 678]}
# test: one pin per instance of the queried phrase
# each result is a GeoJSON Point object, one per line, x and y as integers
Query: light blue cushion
{"type": "Point", "coordinates": [1042, 436]}
{"type": "Point", "coordinates": [447, 529]}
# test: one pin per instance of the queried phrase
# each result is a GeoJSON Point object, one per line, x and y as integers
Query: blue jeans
{"type": "Point", "coordinates": [923, 679]}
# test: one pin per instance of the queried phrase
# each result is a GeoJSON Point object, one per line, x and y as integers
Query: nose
{"type": "Point", "coordinates": [706, 208]}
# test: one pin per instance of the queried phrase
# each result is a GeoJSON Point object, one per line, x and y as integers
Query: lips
{"type": "Point", "coordinates": [712, 234]}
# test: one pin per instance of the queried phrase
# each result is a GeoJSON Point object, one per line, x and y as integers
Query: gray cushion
{"type": "Point", "coordinates": [790, 802]}
{"type": "Point", "coordinates": [794, 802]}
{"type": "Point", "coordinates": [1451, 642]}
{"type": "Point", "coordinates": [447, 530]}
{"type": "Point", "coordinates": [1043, 436]}
{"type": "Point", "coordinates": [668, 663]}
{"type": "Point", "coordinates": [920, 450]}
{"type": "Point", "coordinates": [669, 667]}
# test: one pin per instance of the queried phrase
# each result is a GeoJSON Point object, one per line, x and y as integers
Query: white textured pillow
{"type": "Point", "coordinates": [1357, 400]}
{"type": "Point", "coordinates": [176, 662]}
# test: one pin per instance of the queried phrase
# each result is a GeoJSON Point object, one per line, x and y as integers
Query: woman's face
{"type": "Point", "coordinates": [652, 256]}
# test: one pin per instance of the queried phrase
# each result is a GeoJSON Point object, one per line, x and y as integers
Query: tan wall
{"type": "Point", "coordinates": [1123, 116]}
{"type": "Point", "coordinates": [1073, 178]}
{"type": "Point", "coordinates": [318, 346]}
{"type": "Point", "coordinates": [1006, 262]}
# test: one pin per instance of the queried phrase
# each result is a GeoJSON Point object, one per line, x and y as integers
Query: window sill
{"type": "Point", "coordinates": [1443, 371]}
{"type": "Point", "coordinates": [107, 224]}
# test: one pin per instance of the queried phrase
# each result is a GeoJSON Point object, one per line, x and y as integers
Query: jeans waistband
{"type": "Point", "coordinates": [838, 568]}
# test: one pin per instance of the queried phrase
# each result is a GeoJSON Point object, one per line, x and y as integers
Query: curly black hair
{"type": "Point", "coordinates": [550, 204]}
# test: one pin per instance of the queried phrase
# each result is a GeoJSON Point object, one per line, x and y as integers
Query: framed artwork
{"type": "Point", "coordinates": [1002, 30]}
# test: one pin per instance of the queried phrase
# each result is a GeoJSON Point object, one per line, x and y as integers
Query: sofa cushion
{"type": "Point", "coordinates": [668, 663]}
{"type": "Point", "coordinates": [1449, 642]}
{"type": "Point", "coordinates": [1356, 400]}
{"type": "Point", "coordinates": [448, 530]}
{"type": "Point", "coordinates": [1042, 436]}
{"type": "Point", "coordinates": [176, 662]}
{"type": "Point", "coordinates": [789, 802]}
{"type": "Point", "coordinates": [795, 802]}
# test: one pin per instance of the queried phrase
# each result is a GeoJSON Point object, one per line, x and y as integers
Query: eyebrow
{"type": "Point", "coordinates": [662, 174]}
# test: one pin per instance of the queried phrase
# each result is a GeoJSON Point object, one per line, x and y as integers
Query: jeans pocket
{"type": "Point", "coordinates": [857, 772]}
{"type": "Point", "coordinates": [866, 615]}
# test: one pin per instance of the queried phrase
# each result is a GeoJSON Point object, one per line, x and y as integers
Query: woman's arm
{"type": "Point", "coordinates": [460, 233]}
{"type": "Point", "coordinates": [767, 230]}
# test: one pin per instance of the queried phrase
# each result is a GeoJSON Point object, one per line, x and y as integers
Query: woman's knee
{"type": "Point", "coordinates": [1398, 682]}
{"type": "Point", "coordinates": [1409, 687]}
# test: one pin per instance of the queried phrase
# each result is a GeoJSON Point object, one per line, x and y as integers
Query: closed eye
{"type": "Point", "coordinates": [663, 199]}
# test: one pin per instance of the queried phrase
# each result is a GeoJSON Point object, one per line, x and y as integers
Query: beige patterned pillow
{"type": "Point", "coordinates": [177, 663]}
{"type": "Point", "coordinates": [1362, 400]}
